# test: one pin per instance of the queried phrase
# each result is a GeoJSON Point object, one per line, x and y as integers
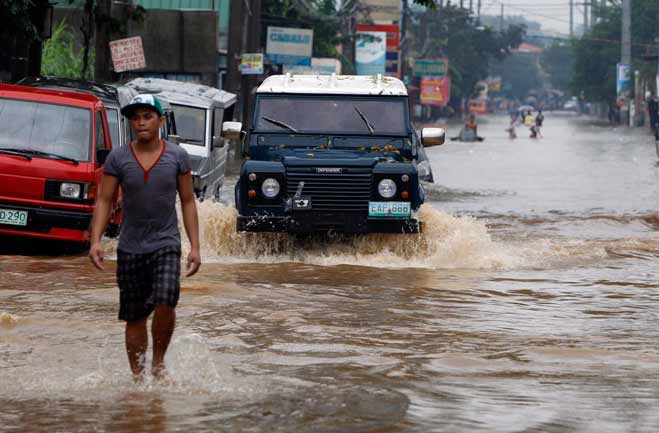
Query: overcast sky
{"type": "Point", "coordinates": [554, 15]}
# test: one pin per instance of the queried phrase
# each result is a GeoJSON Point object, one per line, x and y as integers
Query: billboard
{"type": "Point", "coordinates": [371, 53]}
{"type": "Point", "coordinates": [289, 46]}
{"type": "Point", "coordinates": [435, 91]}
{"type": "Point", "coordinates": [392, 60]}
{"type": "Point", "coordinates": [430, 67]}
{"type": "Point", "coordinates": [623, 82]}
{"type": "Point", "coordinates": [127, 54]}
{"type": "Point", "coordinates": [381, 10]}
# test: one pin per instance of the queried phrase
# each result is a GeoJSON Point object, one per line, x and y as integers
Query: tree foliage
{"type": "Point", "coordinates": [598, 50]}
{"type": "Point", "coordinates": [15, 16]}
{"type": "Point", "coordinates": [455, 33]}
{"type": "Point", "coordinates": [557, 61]}
{"type": "Point", "coordinates": [60, 57]}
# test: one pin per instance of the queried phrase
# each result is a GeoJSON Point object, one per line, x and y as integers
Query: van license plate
{"type": "Point", "coordinates": [13, 217]}
{"type": "Point", "coordinates": [389, 209]}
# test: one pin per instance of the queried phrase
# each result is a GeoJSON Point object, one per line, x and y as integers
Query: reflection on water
{"type": "Point", "coordinates": [509, 313]}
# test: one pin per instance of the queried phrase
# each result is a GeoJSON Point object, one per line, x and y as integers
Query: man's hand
{"type": "Point", "coordinates": [194, 262]}
{"type": "Point", "coordinates": [96, 254]}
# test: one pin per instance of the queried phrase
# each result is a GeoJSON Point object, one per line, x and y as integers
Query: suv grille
{"type": "Point", "coordinates": [333, 192]}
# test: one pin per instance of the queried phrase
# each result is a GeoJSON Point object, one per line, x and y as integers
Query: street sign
{"type": "Point", "coordinates": [430, 67]}
{"type": "Point", "coordinates": [251, 63]}
{"type": "Point", "coordinates": [127, 54]}
{"type": "Point", "coordinates": [435, 91]}
{"type": "Point", "coordinates": [289, 46]}
{"type": "Point", "coordinates": [319, 66]}
{"type": "Point", "coordinates": [623, 82]}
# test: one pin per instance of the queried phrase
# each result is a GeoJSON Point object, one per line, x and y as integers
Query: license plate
{"type": "Point", "coordinates": [389, 209]}
{"type": "Point", "coordinates": [13, 217]}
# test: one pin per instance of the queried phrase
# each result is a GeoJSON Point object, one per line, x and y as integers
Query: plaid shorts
{"type": "Point", "coordinates": [147, 280]}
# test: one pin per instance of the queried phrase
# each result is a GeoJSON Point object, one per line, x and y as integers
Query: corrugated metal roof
{"type": "Point", "coordinates": [182, 92]}
{"type": "Point", "coordinates": [333, 84]}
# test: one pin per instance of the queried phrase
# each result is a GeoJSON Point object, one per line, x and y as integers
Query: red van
{"type": "Point", "coordinates": [52, 147]}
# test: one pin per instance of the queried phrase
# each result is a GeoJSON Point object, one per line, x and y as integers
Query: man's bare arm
{"type": "Point", "coordinates": [190, 221]}
{"type": "Point", "coordinates": [102, 208]}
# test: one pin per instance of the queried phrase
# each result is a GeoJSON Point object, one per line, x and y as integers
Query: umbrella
{"type": "Point", "coordinates": [525, 108]}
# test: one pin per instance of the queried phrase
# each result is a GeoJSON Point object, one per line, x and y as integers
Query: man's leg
{"type": "Point", "coordinates": [137, 341]}
{"type": "Point", "coordinates": [162, 328]}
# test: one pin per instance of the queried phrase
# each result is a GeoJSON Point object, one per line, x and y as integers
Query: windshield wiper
{"type": "Point", "coordinates": [280, 124]}
{"type": "Point", "coordinates": [49, 155]}
{"type": "Point", "coordinates": [371, 130]}
{"type": "Point", "coordinates": [15, 152]}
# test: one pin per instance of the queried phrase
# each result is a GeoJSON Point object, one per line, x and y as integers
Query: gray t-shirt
{"type": "Point", "coordinates": [148, 197]}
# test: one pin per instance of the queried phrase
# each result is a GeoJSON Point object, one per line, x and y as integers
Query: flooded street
{"type": "Point", "coordinates": [528, 304]}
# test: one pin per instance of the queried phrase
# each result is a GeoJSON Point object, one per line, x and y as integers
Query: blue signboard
{"type": "Point", "coordinates": [289, 46]}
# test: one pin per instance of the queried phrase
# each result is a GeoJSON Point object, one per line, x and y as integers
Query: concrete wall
{"type": "Point", "coordinates": [176, 43]}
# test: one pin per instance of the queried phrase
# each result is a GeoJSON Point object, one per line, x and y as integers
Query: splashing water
{"type": "Point", "coordinates": [446, 242]}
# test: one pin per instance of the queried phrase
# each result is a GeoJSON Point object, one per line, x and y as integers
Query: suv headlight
{"type": "Point", "coordinates": [69, 190]}
{"type": "Point", "coordinates": [270, 187]}
{"type": "Point", "coordinates": [387, 188]}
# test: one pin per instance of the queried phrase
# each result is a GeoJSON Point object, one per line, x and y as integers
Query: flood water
{"type": "Point", "coordinates": [527, 305]}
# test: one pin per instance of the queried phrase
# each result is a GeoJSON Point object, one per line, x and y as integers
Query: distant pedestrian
{"type": "Point", "coordinates": [539, 119]}
{"type": "Point", "coordinates": [150, 172]}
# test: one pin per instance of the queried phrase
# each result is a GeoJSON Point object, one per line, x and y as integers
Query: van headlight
{"type": "Point", "coordinates": [270, 187]}
{"type": "Point", "coordinates": [69, 190]}
{"type": "Point", "coordinates": [387, 188]}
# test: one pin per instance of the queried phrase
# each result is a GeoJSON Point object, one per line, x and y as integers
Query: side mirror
{"type": "Point", "coordinates": [432, 137]}
{"type": "Point", "coordinates": [231, 130]}
{"type": "Point", "coordinates": [102, 155]}
{"type": "Point", "coordinates": [176, 139]}
{"type": "Point", "coordinates": [218, 142]}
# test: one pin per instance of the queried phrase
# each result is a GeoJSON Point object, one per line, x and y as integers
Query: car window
{"type": "Point", "coordinates": [113, 124]}
{"type": "Point", "coordinates": [332, 114]}
{"type": "Point", "coordinates": [190, 124]}
{"type": "Point", "coordinates": [59, 129]}
{"type": "Point", "coordinates": [100, 138]}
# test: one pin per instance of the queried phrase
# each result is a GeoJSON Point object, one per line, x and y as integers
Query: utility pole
{"type": "Point", "coordinates": [501, 19]}
{"type": "Point", "coordinates": [626, 55]}
{"type": "Point", "coordinates": [571, 18]}
{"type": "Point", "coordinates": [471, 5]}
{"type": "Point", "coordinates": [479, 8]}
{"type": "Point", "coordinates": [102, 60]}
{"type": "Point", "coordinates": [585, 16]}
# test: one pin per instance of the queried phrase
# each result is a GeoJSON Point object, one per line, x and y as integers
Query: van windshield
{"type": "Point", "coordinates": [190, 124]}
{"type": "Point", "coordinates": [337, 114]}
{"type": "Point", "coordinates": [58, 129]}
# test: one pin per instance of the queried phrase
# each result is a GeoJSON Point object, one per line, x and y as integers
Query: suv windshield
{"type": "Point", "coordinates": [57, 129]}
{"type": "Point", "coordinates": [338, 114]}
{"type": "Point", "coordinates": [190, 124]}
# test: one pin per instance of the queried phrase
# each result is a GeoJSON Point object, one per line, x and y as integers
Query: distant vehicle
{"type": "Point", "coordinates": [477, 106]}
{"type": "Point", "coordinates": [571, 105]}
{"type": "Point", "coordinates": [114, 97]}
{"type": "Point", "coordinates": [332, 153]}
{"type": "Point", "coordinates": [53, 144]}
{"type": "Point", "coordinates": [200, 112]}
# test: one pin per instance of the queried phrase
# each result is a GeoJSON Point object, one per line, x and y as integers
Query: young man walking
{"type": "Point", "coordinates": [150, 172]}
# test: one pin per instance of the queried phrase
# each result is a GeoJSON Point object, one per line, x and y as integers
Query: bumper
{"type": "Point", "coordinates": [314, 222]}
{"type": "Point", "coordinates": [50, 223]}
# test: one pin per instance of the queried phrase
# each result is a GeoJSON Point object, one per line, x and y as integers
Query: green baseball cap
{"type": "Point", "coordinates": [144, 100]}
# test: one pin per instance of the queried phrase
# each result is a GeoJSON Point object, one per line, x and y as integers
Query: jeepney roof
{"type": "Point", "coordinates": [180, 92]}
{"type": "Point", "coordinates": [333, 84]}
